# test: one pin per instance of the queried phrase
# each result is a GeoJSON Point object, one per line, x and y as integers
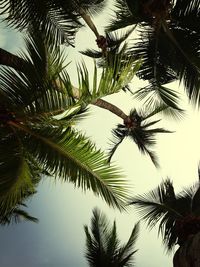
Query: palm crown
{"type": "Point", "coordinates": [138, 128]}
{"type": "Point", "coordinates": [178, 215]}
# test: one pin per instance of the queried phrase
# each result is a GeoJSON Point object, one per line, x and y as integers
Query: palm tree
{"type": "Point", "coordinates": [117, 74]}
{"type": "Point", "coordinates": [59, 20]}
{"type": "Point", "coordinates": [103, 246]}
{"type": "Point", "coordinates": [177, 217]}
{"type": "Point", "coordinates": [32, 134]}
{"type": "Point", "coordinates": [168, 42]}
{"type": "Point", "coordinates": [137, 127]}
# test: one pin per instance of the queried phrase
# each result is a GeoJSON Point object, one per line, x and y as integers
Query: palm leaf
{"type": "Point", "coordinates": [16, 182]}
{"type": "Point", "coordinates": [119, 134]}
{"type": "Point", "coordinates": [17, 215]}
{"type": "Point", "coordinates": [103, 246]}
{"type": "Point", "coordinates": [57, 25]}
{"type": "Point", "coordinates": [67, 154]}
{"type": "Point", "coordinates": [127, 251]}
{"type": "Point", "coordinates": [113, 78]}
{"type": "Point", "coordinates": [32, 91]}
{"type": "Point", "coordinates": [155, 95]}
{"type": "Point", "coordinates": [114, 42]}
{"type": "Point", "coordinates": [161, 206]}
{"type": "Point", "coordinates": [124, 15]}
{"type": "Point", "coordinates": [95, 242]}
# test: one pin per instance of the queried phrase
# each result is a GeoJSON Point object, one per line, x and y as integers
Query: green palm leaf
{"type": "Point", "coordinates": [17, 174]}
{"type": "Point", "coordinates": [114, 77]}
{"type": "Point", "coordinates": [67, 154]}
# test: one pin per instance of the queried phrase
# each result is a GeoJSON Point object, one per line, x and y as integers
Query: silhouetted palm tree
{"type": "Point", "coordinates": [103, 247]}
{"type": "Point", "coordinates": [168, 42]}
{"type": "Point", "coordinates": [59, 20]}
{"type": "Point", "coordinates": [178, 218]}
{"type": "Point", "coordinates": [138, 128]}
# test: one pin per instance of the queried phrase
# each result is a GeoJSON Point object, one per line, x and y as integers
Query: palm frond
{"type": "Point", "coordinates": [113, 78]}
{"type": "Point", "coordinates": [155, 95]}
{"type": "Point", "coordinates": [58, 25]}
{"type": "Point", "coordinates": [103, 246]}
{"type": "Point", "coordinates": [71, 156]}
{"type": "Point", "coordinates": [115, 43]}
{"type": "Point", "coordinates": [18, 181]}
{"type": "Point", "coordinates": [95, 242]}
{"type": "Point", "coordinates": [39, 89]}
{"type": "Point", "coordinates": [183, 7]}
{"type": "Point", "coordinates": [124, 16]}
{"type": "Point", "coordinates": [157, 55]}
{"type": "Point", "coordinates": [119, 134]}
{"type": "Point", "coordinates": [187, 63]}
{"type": "Point", "coordinates": [161, 206]}
{"type": "Point", "coordinates": [127, 252]}
{"type": "Point", "coordinates": [154, 204]}
{"type": "Point", "coordinates": [17, 215]}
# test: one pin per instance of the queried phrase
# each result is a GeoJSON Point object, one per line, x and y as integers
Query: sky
{"type": "Point", "coordinates": [58, 239]}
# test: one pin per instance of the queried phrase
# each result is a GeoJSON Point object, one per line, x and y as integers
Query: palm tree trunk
{"type": "Point", "coordinates": [89, 22]}
{"type": "Point", "coordinates": [11, 60]}
{"type": "Point", "coordinates": [103, 104]}
{"type": "Point", "coordinates": [101, 40]}
{"type": "Point", "coordinates": [112, 108]}
{"type": "Point", "coordinates": [188, 255]}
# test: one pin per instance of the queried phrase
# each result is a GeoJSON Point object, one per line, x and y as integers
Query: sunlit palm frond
{"type": "Point", "coordinates": [71, 156]}
{"type": "Point", "coordinates": [114, 77]}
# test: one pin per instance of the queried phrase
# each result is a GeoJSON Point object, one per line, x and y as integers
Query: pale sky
{"type": "Point", "coordinates": [58, 239]}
